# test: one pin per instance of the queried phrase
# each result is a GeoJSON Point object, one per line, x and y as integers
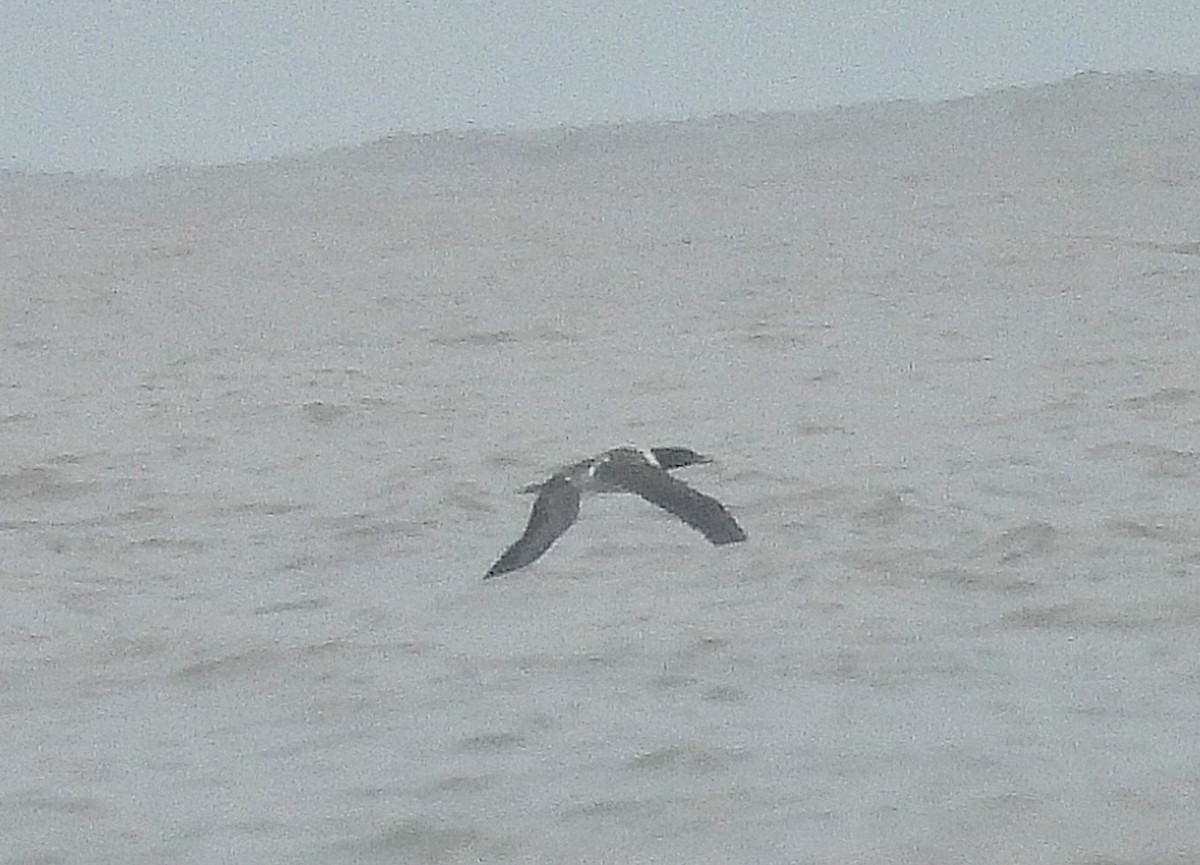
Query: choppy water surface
{"type": "Point", "coordinates": [262, 427]}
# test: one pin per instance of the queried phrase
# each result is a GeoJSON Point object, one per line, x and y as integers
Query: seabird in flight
{"type": "Point", "coordinates": [622, 469]}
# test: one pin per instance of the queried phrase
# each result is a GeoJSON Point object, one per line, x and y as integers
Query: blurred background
{"type": "Point", "coordinates": [127, 86]}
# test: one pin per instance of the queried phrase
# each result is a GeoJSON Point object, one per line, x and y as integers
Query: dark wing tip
{"type": "Point", "coordinates": [726, 532]}
{"type": "Point", "coordinates": [499, 567]}
{"type": "Point", "coordinates": [554, 510]}
{"type": "Point", "coordinates": [703, 513]}
{"type": "Point", "coordinates": [716, 524]}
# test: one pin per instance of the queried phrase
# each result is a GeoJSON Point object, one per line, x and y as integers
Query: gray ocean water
{"type": "Point", "coordinates": [261, 427]}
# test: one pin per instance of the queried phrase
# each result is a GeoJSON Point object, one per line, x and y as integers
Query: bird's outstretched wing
{"type": "Point", "coordinates": [554, 511]}
{"type": "Point", "coordinates": [703, 513]}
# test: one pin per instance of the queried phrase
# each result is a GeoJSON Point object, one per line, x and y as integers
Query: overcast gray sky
{"type": "Point", "coordinates": [127, 85]}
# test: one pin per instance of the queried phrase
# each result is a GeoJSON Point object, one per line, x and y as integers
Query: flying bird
{"type": "Point", "coordinates": [621, 469]}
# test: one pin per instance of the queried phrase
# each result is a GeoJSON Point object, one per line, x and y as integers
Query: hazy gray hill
{"type": "Point", "coordinates": [262, 425]}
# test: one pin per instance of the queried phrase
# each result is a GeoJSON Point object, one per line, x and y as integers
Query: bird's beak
{"type": "Point", "coordinates": [532, 488]}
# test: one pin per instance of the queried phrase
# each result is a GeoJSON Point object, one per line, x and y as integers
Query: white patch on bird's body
{"type": "Point", "coordinates": [645, 453]}
{"type": "Point", "coordinates": [557, 504]}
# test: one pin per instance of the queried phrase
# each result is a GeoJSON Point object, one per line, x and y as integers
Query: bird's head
{"type": "Point", "coordinates": [677, 458]}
